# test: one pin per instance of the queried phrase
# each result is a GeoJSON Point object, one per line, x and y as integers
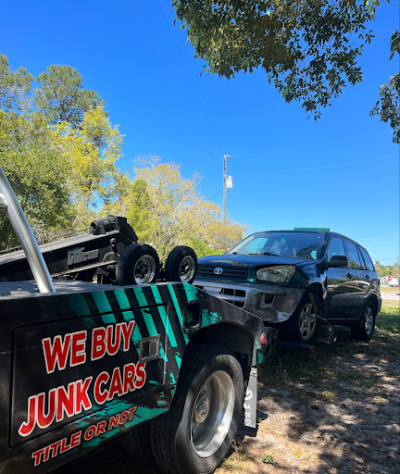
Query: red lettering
{"type": "Point", "coordinates": [54, 448]}
{"type": "Point", "coordinates": [46, 419]}
{"type": "Point", "coordinates": [89, 433]}
{"type": "Point", "coordinates": [116, 384]}
{"type": "Point", "coordinates": [123, 417]}
{"type": "Point", "coordinates": [57, 353]}
{"type": "Point", "coordinates": [76, 439]}
{"type": "Point", "coordinates": [131, 412]}
{"type": "Point", "coordinates": [113, 422]}
{"type": "Point", "coordinates": [140, 374]}
{"type": "Point", "coordinates": [46, 453]}
{"type": "Point", "coordinates": [78, 346]}
{"type": "Point", "coordinates": [127, 330]}
{"type": "Point", "coordinates": [26, 427]}
{"type": "Point", "coordinates": [113, 346]}
{"type": "Point", "coordinates": [64, 446]}
{"type": "Point", "coordinates": [65, 401]}
{"type": "Point", "coordinates": [99, 395]}
{"type": "Point", "coordinates": [98, 343]}
{"type": "Point", "coordinates": [129, 375]}
{"type": "Point", "coordinates": [101, 428]}
{"type": "Point", "coordinates": [82, 399]}
{"type": "Point", "coordinates": [37, 456]}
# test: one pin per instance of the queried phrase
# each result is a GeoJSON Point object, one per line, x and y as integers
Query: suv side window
{"type": "Point", "coordinates": [335, 247]}
{"type": "Point", "coordinates": [368, 262]}
{"type": "Point", "coordinates": [353, 255]}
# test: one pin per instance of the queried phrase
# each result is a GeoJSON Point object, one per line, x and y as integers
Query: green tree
{"type": "Point", "coordinates": [14, 86]}
{"type": "Point", "coordinates": [166, 210]}
{"type": "Point", "coordinates": [388, 106]}
{"type": "Point", "coordinates": [308, 48]}
{"type": "Point", "coordinates": [91, 152]}
{"type": "Point", "coordinates": [37, 174]}
{"type": "Point", "coordinates": [61, 97]}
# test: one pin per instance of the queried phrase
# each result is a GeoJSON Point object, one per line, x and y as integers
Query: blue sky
{"type": "Point", "coordinates": [341, 172]}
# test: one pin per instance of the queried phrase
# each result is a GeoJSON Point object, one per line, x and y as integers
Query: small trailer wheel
{"type": "Point", "coordinates": [139, 265]}
{"type": "Point", "coordinates": [181, 264]}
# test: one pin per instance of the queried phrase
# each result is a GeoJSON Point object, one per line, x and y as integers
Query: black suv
{"type": "Point", "coordinates": [296, 279]}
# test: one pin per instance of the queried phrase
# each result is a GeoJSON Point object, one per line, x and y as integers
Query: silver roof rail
{"type": "Point", "coordinates": [23, 231]}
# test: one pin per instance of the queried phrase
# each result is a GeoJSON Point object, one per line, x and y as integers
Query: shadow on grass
{"type": "Point", "coordinates": [344, 398]}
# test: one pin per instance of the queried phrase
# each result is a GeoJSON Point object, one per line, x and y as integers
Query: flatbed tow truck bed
{"type": "Point", "coordinates": [164, 366]}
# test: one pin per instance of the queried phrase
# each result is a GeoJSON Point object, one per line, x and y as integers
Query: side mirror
{"type": "Point", "coordinates": [338, 261]}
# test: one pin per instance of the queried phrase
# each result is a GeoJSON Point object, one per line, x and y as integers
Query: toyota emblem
{"type": "Point", "coordinates": [218, 270]}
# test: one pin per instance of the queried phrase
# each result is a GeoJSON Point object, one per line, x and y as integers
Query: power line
{"type": "Point", "coordinates": [320, 145]}
{"type": "Point", "coordinates": [333, 165]}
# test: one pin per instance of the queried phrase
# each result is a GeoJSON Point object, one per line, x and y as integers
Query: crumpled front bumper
{"type": "Point", "coordinates": [273, 304]}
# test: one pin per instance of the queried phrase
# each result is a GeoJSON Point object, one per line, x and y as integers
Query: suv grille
{"type": "Point", "coordinates": [233, 296]}
{"type": "Point", "coordinates": [228, 271]}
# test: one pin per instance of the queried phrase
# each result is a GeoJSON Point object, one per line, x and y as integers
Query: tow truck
{"type": "Point", "coordinates": [168, 368]}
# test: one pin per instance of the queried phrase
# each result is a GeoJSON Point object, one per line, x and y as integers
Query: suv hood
{"type": "Point", "coordinates": [248, 260]}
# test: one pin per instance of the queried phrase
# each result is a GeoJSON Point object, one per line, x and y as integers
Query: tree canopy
{"type": "Point", "coordinates": [58, 149]}
{"type": "Point", "coordinates": [388, 105]}
{"type": "Point", "coordinates": [308, 48]}
{"type": "Point", "coordinates": [13, 86]}
{"type": "Point", "coordinates": [166, 210]}
{"type": "Point", "coordinates": [61, 97]}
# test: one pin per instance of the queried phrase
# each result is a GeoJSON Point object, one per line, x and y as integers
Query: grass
{"type": "Point", "coordinates": [390, 289]}
{"type": "Point", "coordinates": [338, 365]}
{"type": "Point", "coordinates": [360, 376]}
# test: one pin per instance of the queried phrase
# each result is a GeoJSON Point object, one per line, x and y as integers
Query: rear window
{"type": "Point", "coordinates": [353, 255]}
{"type": "Point", "coordinates": [368, 262]}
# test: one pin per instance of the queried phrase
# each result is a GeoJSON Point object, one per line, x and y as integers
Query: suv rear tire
{"type": "Point", "coordinates": [365, 329]}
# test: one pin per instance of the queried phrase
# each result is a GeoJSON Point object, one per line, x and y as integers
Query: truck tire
{"type": "Point", "coordinates": [181, 264]}
{"type": "Point", "coordinates": [136, 444]}
{"type": "Point", "coordinates": [196, 434]}
{"type": "Point", "coordinates": [139, 265]}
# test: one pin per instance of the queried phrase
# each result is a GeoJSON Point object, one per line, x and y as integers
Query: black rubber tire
{"type": "Point", "coordinates": [181, 264]}
{"type": "Point", "coordinates": [180, 443]}
{"type": "Point", "coordinates": [133, 260]}
{"type": "Point", "coordinates": [365, 329]}
{"type": "Point", "coordinates": [137, 445]}
{"type": "Point", "coordinates": [304, 323]}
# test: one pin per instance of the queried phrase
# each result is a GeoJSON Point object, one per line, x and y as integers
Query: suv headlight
{"type": "Point", "coordinates": [276, 274]}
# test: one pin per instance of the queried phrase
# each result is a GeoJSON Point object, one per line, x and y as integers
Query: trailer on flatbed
{"type": "Point", "coordinates": [164, 366]}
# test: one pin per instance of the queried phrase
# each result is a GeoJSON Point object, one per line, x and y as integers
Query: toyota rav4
{"type": "Point", "coordinates": [296, 279]}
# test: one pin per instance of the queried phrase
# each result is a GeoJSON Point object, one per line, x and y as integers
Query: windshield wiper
{"type": "Point", "coordinates": [270, 254]}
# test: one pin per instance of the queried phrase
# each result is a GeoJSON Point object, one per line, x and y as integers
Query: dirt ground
{"type": "Point", "coordinates": [334, 411]}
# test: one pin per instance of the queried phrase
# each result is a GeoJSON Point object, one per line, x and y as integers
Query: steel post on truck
{"type": "Point", "coordinates": [23, 231]}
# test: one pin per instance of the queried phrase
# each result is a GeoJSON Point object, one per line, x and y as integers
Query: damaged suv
{"type": "Point", "coordinates": [296, 279]}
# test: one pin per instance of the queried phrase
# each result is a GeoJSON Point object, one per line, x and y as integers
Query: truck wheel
{"type": "Point", "coordinates": [181, 264]}
{"type": "Point", "coordinates": [366, 327]}
{"type": "Point", "coordinates": [303, 324]}
{"type": "Point", "coordinates": [139, 265]}
{"type": "Point", "coordinates": [136, 443]}
{"type": "Point", "coordinates": [195, 435]}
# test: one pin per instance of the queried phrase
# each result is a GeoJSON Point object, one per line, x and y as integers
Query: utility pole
{"type": "Point", "coordinates": [225, 157]}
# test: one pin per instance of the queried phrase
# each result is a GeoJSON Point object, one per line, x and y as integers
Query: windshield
{"type": "Point", "coordinates": [304, 245]}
